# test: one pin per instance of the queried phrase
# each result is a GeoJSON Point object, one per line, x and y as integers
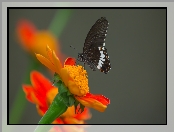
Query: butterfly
{"type": "Point", "coordinates": [94, 52]}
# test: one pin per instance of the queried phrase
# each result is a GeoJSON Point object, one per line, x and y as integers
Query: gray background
{"type": "Point", "coordinates": [136, 43]}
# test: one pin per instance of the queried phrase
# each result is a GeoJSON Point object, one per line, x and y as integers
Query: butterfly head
{"type": "Point", "coordinates": [80, 57]}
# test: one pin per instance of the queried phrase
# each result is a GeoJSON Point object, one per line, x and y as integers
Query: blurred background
{"type": "Point", "coordinates": [136, 44]}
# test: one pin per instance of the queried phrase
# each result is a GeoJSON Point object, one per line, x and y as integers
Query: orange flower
{"type": "Point", "coordinates": [69, 128]}
{"type": "Point", "coordinates": [42, 93]}
{"type": "Point", "coordinates": [75, 79]}
{"type": "Point", "coordinates": [74, 128]}
{"type": "Point", "coordinates": [34, 40]}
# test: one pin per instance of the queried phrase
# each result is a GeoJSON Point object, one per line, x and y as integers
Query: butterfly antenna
{"type": "Point", "coordinates": [76, 50]}
{"type": "Point", "coordinates": [72, 47]}
{"type": "Point", "coordinates": [77, 60]}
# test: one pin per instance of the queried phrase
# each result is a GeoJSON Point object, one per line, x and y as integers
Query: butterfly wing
{"type": "Point", "coordinates": [94, 47]}
{"type": "Point", "coordinates": [97, 34]}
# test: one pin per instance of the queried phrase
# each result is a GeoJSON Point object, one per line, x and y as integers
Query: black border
{"type": "Point", "coordinates": [76, 8]}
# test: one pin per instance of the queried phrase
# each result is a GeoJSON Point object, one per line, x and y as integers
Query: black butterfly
{"type": "Point", "coordinates": [94, 51]}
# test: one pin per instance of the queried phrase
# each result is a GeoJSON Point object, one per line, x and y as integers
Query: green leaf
{"type": "Point", "coordinates": [62, 88]}
{"type": "Point", "coordinates": [65, 99]}
{"type": "Point", "coordinates": [58, 84]}
{"type": "Point", "coordinates": [71, 100]}
{"type": "Point", "coordinates": [66, 95]}
{"type": "Point", "coordinates": [69, 93]}
{"type": "Point", "coordinates": [56, 78]}
{"type": "Point", "coordinates": [75, 105]}
{"type": "Point", "coordinates": [82, 107]}
{"type": "Point", "coordinates": [68, 100]}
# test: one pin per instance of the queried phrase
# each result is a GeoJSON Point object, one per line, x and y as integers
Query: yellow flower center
{"type": "Point", "coordinates": [79, 76]}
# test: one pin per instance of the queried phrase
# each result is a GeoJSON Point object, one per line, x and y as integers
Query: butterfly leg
{"type": "Point", "coordinates": [84, 65]}
{"type": "Point", "coordinates": [77, 62]}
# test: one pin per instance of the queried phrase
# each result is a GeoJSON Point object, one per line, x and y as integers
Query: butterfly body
{"type": "Point", "coordinates": [94, 51]}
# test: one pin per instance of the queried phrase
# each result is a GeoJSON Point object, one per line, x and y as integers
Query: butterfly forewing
{"type": "Point", "coordinates": [94, 51]}
{"type": "Point", "coordinates": [97, 33]}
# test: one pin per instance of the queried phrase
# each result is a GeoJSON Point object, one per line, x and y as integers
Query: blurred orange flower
{"type": "Point", "coordinates": [42, 93]}
{"type": "Point", "coordinates": [75, 79]}
{"type": "Point", "coordinates": [35, 41]}
{"type": "Point", "coordinates": [69, 128]}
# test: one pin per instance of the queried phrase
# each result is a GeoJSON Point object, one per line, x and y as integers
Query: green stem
{"type": "Point", "coordinates": [43, 128]}
{"type": "Point", "coordinates": [56, 109]}
{"type": "Point", "coordinates": [59, 22]}
{"type": "Point", "coordinates": [20, 101]}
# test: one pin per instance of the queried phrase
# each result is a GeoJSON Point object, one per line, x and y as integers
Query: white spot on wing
{"type": "Point", "coordinates": [102, 59]}
{"type": "Point", "coordinates": [104, 43]}
{"type": "Point", "coordinates": [98, 67]}
{"type": "Point", "coordinates": [102, 55]}
{"type": "Point", "coordinates": [100, 64]}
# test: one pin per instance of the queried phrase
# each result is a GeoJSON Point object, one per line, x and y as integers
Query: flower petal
{"type": "Point", "coordinates": [28, 90]}
{"type": "Point", "coordinates": [65, 76]}
{"type": "Point", "coordinates": [39, 81]}
{"type": "Point", "coordinates": [69, 112]}
{"type": "Point", "coordinates": [50, 54]}
{"type": "Point", "coordinates": [46, 62]}
{"type": "Point", "coordinates": [25, 32]}
{"type": "Point", "coordinates": [37, 99]}
{"type": "Point", "coordinates": [98, 102]}
{"type": "Point", "coordinates": [71, 120]}
{"type": "Point", "coordinates": [41, 110]}
{"type": "Point", "coordinates": [85, 115]}
{"type": "Point", "coordinates": [74, 89]}
{"type": "Point", "coordinates": [57, 63]}
{"type": "Point", "coordinates": [58, 121]}
{"type": "Point", "coordinates": [50, 95]}
{"type": "Point", "coordinates": [40, 87]}
{"type": "Point", "coordinates": [32, 95]}
{"type": "Point", "coordinates": [70, 61]}
{"type": "Point", "coordinates": [41, 40]}
{"type": "Point", "coordinates": [55, 128]}
{"type": "Point", "coordinates": [73, 128]}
